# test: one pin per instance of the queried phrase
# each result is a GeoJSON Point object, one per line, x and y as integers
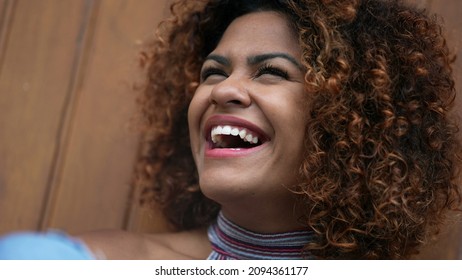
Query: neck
{"type": "Point", "coordinates": [272, 217]}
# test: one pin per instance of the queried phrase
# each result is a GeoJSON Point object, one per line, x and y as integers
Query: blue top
{"type": "Point", "coordinates": [51, 245]}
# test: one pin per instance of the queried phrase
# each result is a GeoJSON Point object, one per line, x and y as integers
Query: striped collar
{"type": "Point", "coordinates": [231, 242]}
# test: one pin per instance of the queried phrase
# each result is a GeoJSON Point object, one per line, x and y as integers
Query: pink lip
{"type": "Point", "coordinates": [233, 121]}
{"type": "Point", "coordinates": [224, 153]}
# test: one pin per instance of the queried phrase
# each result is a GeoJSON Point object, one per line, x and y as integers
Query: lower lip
{"type": "Point", "coordinates": [227, 153]}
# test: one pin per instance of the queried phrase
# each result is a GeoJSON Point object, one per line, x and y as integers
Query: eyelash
{"type": "Point", "coordinates": [270, 69]}
{"type": "Point", "coordinates": [209, 71]}
{"type": "Point", "coordinates": [264, 69]}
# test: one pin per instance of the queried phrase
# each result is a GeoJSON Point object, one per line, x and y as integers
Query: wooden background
{"type": "Point", "coordinates": [67, 145]}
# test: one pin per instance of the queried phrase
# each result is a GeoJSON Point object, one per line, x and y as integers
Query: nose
{"type": "Point", "coordinates": [230, 92]}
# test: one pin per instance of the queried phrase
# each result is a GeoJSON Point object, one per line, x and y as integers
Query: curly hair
{"type": "Point", "coordinates": [381, 147]}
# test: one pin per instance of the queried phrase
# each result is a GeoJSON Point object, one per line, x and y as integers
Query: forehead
{"type": "Point", "coordinates": [259, 32]}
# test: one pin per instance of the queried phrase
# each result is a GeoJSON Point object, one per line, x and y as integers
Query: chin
{"type": "Point", "coordinates": [222, 191]}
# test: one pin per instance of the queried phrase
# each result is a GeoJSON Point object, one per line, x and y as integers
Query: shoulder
{"type": "Point", "coordinates": [113, 244]}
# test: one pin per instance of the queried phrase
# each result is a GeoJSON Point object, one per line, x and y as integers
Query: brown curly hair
{"type": "Point", "coordinates": [381, 150]}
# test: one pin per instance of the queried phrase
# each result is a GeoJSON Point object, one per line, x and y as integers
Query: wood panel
{"type": "Point", "coordinates": [6, 12]}
{"type": "Point", "coordinates": [38, 57]}
{"type": "Point", "coordinates": [147, 218]}
{"type": "Point", "coordinates": [92, 190]}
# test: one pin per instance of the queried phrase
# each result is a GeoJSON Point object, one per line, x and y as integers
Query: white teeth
{"type": "Point", "coordinates": [242, 133]}
{"type": "Point", "coordinates": [226, 130]}
{"type": "Point", "coordinates": [234, 131]}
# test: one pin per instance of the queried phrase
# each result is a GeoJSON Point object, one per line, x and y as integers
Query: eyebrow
{"type": "Point", "coordinates": [218, 58]}
{"type": "Point", "coordinates": [262, 57]}
{"type": "Point", "coordinates": [253, 60]}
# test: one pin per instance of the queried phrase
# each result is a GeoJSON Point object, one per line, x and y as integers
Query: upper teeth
{"type": "Point", "coordinates": [235, 131]}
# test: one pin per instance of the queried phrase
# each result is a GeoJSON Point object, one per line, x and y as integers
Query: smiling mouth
{"type": "Point", "coordinates": [233, 137]}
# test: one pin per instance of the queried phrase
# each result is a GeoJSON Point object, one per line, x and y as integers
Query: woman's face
{"type": "Point", "coordinates": [247, 117]}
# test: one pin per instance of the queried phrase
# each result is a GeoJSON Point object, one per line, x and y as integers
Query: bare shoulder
{"type": "Point", "coordinates": [113, 244]}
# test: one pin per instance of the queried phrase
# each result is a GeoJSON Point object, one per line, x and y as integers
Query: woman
{"type": "Point", "coordinates": [295, 129]}
{"type": "Point", "coordinates": [348, 101]}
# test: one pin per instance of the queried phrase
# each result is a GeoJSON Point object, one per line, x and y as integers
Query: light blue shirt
{"type": "Point", "coordinates": [51, 245]}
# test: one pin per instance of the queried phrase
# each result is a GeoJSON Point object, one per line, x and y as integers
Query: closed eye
{"type": "Point", "coordinates": [212, 71]}
{"type": "Point", "coordinates": [268, 69]}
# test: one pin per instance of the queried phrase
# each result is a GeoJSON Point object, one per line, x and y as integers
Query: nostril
{"type": "Point", "coordinates": [230, 92]}
{"type": "Point", "coordinates": [235, 102]}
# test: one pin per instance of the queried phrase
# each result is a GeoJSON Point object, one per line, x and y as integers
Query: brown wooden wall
{"type": "Point", "coordinates": [66, 144]}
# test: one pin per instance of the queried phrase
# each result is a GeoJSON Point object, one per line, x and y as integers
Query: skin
{"type": "Point", "coordinates": [236, 82]}
{"type": "Point", "coordinates": [251, 188]}
{"type": "Point", "coordinates": [110, 244]}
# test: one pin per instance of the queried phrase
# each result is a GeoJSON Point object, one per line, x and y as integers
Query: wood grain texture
{"type": "Point", "coordinates": [38, 58]}
{"type": "Point", "coordinates": [92, 189]}
{"type": "Point", "coordinates": [148, 218]}
{"type": "Point", "coordinates": [6, 15]}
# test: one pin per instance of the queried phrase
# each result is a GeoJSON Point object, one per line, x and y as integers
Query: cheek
{"type": "Point", "coordinates": [299, 120]}
{"type": "Point", "coordinates": [196, 111]}
{"type": "Point", "coordinates": [292, 124]}
{"type": "Point", "coordinates": [291, 113]}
